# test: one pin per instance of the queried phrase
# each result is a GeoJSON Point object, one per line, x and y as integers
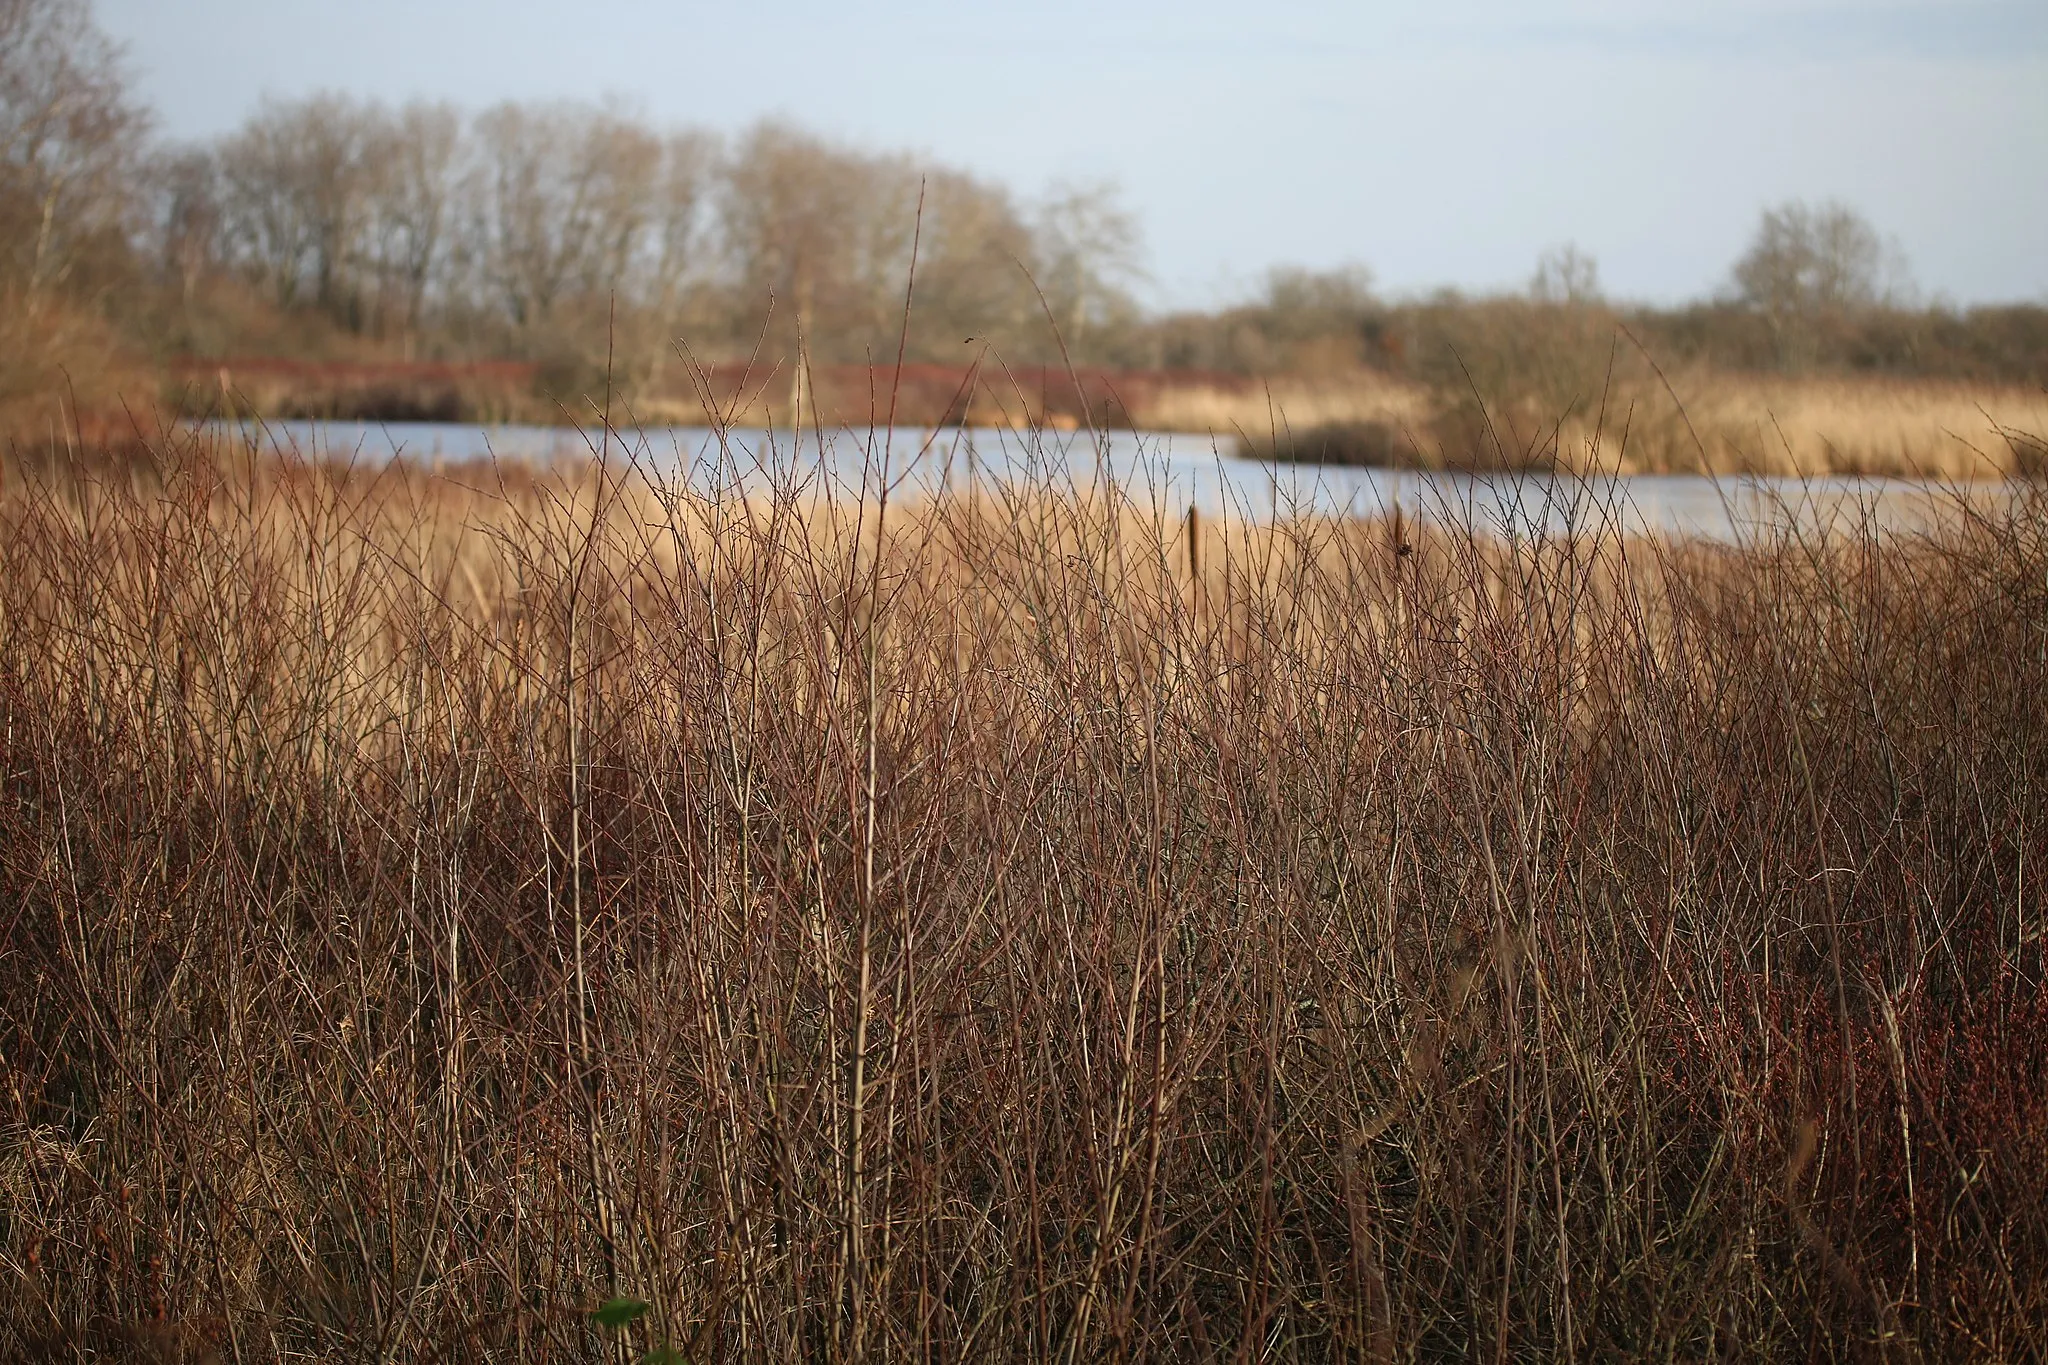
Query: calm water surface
{"type": "Point", "coordinates": [1160, 472]}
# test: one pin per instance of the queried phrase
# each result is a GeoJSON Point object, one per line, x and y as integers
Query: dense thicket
{"type": "Point", "coordinates": [1007, 930]}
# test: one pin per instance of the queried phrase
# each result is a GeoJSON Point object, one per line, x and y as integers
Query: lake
{"type": "Point", "coordinates": [1160, 472]}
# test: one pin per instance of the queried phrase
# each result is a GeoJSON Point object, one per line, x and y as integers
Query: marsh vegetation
{"type": "Point", "coordinates": [593, 908]}
{"type": "Point", "coordinates": [1005, 928]}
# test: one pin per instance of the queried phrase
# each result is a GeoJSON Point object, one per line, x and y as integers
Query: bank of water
{"type": "Point", "coordinates": [1162, 474]}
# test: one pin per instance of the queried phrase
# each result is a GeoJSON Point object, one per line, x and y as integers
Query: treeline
{"type": "Point", "coordinates": [530, 229]}
{"type": "Point", "coordinates": [570, 234]}
{"type": "Point", "coordinates": [584, 240]}
{"type": "Point", "coordinates": [1814, 292]}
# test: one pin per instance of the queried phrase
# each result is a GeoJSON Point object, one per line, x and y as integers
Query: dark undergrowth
{"type": "Point", "coordinates": [994, 929]}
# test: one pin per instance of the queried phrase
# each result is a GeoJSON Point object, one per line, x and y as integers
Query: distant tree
{"type": "Point", "coordinates": [1808, 265]}
{"type": "Point", "coordinates": [297, 180]}
{"type": "Point", "coordinates": [682, 193]}
{"type": "Point", "coordinates": [414, 155]}
{"type": "Point", "coordinates": [1300, 303]}
{"type": "Point", "coordinates": [827, 231]}
{"type": "Point", "coordinates": [1090, 255]}
{"type": "Point", "coordinates": [188, 221]}
{"type": "Point", "coordinates": [676, 255]}
{"type": "Point", "coordinates": [968, 281]}
{"type": "Point", "coordinates": [823, 230]}
{"type": "Point", "coordinates": [390, 220]}
{"type": "Point", "coordinates": [1809, 260]}
{"type": "Point", "coordinates": [565, 195]}
{"type": "Point", "coordinates": [1565, 274]}
{"type": "Point", "coordinates": [71, 140]}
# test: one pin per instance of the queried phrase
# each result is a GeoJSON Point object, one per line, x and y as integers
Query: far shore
{"type": "Point", "coordinates": [1701, 421]}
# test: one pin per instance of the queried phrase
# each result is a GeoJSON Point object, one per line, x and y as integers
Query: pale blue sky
{"type": "Point", "coordinates": [1438, 144]}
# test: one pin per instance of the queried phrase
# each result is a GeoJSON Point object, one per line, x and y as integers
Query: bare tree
{"type": "Point", "coordinates": [823, 230]}
{"type": "Point", "coordinates": [681, 194]}
{"type": "Point", "coordinates": [675, 254]}
{"type": "Point", "coordinates": [189, 223]}
{"type": "Point", "coordinates": [565, 195]}
{"type": "Point", "coordinates": [1565, 274]}
{"type": "Point", "coordinates": [511, 239]}
{"type": "Point", "coordinates": [413, 156]}
{"type": "Point", "coordinates": [70, 141]}
{"type": "Point", "coordinates": [297, 180]}
{"type": "Point", "coordinates": [1806, 260]}
{"type": "Point", "coordinates": [968, 280]}
{"type": "Point", "coordinates": [1089, 254]}
{"type": "Point", "coordinates": [379, 216]}
{"type": "Point", "coordinates": [1807, 265]}
{"type": "Point", "coordinates": [1302, 303]}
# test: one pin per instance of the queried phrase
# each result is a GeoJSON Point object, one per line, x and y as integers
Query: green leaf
{"type": "Point", "coordinates": [616, 1313]}
{"type": "Point", "coordinates": [664, 1355]}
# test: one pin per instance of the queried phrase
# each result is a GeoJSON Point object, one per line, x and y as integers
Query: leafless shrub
{"type": "Point", "coordinates": [1005, 926]}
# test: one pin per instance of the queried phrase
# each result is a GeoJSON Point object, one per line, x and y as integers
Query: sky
{"type": "Point", "coordinates": [1436, 144]}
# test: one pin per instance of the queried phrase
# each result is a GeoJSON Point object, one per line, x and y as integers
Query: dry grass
{"type": "Point", "coordinates": [1705, 422]}
{"type": "Point", "coordinates": [58, 362]}
{"type": "Point", "coordinates": [1297, 402]}
{"type": "Point", "coordinates": [987, 930]}
{"type": "Point", "coordinates": [1924, 429]}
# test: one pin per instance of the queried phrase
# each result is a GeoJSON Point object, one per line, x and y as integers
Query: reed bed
{"type": "Point", "coordinates": [1029, 926]}
{"type": "Point", "coordinates": [1633, 421]}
